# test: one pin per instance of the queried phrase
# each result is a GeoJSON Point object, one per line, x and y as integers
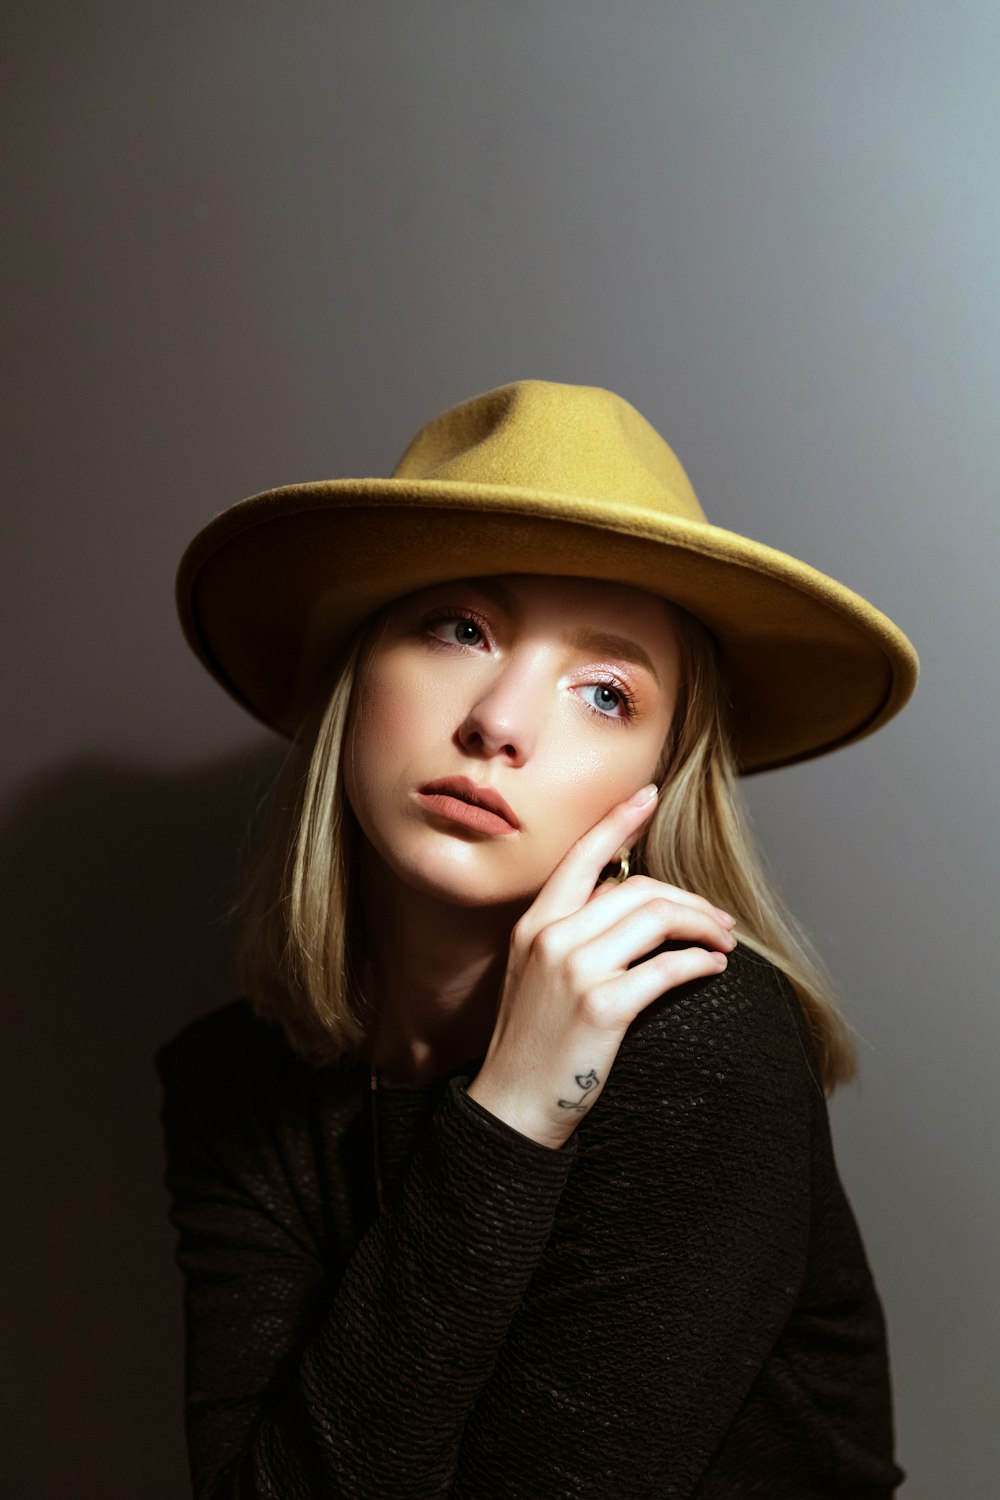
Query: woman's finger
{"type": "Point", "coordinates": [614, 1005]}
{"type": "Point", "coordinates": [607, 936]}
{"type": "Point", "coordinates": [647, 888]}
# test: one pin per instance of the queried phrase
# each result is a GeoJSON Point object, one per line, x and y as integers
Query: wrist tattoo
{"type": "Point", "coordinates": [586, 1081]}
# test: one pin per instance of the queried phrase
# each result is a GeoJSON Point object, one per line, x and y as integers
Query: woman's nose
{"type": "Point", "coordinates": [504, 718]}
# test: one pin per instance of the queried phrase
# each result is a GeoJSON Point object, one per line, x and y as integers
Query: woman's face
{"type": "Point", "coordinates": [556, 693]}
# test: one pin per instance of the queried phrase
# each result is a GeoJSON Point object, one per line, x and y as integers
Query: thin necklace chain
{"type": "Point", "coordinates": [375, 1151]}
{"type": "Point", "coordinates": [374, 1111]}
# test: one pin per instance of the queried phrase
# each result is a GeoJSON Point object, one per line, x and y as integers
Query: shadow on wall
{"type": "Point", "coordinates": [115, 883]}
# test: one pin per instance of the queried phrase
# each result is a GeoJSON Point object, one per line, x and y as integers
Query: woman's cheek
{"type": "Point", "coordinates": [391, 713]}
{"type": "Point", "coordinates": [567, 823]}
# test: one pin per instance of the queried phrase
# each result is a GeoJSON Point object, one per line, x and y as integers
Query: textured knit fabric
{"type": "Point", "coordinates": [676, 1303]}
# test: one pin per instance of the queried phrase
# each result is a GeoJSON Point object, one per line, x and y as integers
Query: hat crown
{"type": "Point", "coordinates": [572, 440]}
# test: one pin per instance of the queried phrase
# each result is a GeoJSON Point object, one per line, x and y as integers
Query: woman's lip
{"type": "Point", "coordinates": [467, 790]}
{"type": "Point", "coordinates": [466, 813]}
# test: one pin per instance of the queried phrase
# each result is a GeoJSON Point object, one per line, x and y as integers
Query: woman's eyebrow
{"type": "Point", "coordinates": [601, 642]}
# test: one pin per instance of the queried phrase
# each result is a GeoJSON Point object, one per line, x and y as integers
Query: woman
{"type": "Point", "coordinates": [511, 1174]}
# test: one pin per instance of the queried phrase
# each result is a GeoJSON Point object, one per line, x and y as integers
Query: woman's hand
{"type": "Point", "coordinates": [569, 996]}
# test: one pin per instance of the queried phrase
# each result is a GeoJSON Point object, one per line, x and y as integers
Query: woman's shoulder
{"type": "Point", "coordinates": [711, 1114]}
{"type": "Point", "coordinates": [743, 1028]}
{"type": "Point", "coordinates": [228, 1050]}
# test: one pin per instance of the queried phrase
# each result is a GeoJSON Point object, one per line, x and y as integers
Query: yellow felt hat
{"type": "Point", "coordinates": [537, 477]}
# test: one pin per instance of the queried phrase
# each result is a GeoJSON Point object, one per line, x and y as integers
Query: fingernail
{"type": "Point", "coordinates": [644, 795]}
{"type": "Point", "coordinates": [725, 917]}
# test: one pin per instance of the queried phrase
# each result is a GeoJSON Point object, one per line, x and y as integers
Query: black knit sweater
{"type": "Point", "coordinates": [676, 1303]}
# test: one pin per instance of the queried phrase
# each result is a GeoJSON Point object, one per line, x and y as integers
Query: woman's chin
{"type": "Point", "coordinates": [470, 891]}
{"type": "Point", "coordinates": [466, 872]}
{"type": "Point", "coordinates": [465, 881]}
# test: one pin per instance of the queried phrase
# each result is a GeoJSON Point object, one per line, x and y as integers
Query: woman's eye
{"type": "Point", "coordinates": [455, 628]}
{"type": "Point", "coordinates": [608, 698]}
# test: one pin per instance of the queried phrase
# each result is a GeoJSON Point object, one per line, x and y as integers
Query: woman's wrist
{"type": "Point", "coordinates": [500, 1105]}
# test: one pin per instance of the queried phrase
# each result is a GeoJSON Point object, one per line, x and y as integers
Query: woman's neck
{"type": "Point", "coordinates": [431, 972]}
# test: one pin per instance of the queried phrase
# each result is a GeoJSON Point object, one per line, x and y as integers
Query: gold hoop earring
{"type": "Point", "coordinates": [623, 862]}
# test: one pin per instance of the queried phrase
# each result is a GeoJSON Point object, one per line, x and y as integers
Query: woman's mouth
{"type": "Point", "coordinates": [460, 800]}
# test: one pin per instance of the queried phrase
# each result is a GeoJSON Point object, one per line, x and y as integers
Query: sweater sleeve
{"type": "Point", "coordinates": [680, 1246]}
{"type": "Point", "coordinates": [293, 1390]}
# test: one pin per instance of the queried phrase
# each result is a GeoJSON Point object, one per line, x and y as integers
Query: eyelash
{"type": "Point", "coordinates": [446, 616]}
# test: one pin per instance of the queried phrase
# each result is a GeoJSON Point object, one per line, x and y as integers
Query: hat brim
{"type": "Point", "coordinates": [269, 591]}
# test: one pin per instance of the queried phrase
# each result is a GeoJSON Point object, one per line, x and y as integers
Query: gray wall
{"type": "Point", "coordinates": [255, 243]}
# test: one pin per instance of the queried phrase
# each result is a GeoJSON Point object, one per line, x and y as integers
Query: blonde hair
{"type": "Point", "coordinates": [297, 907]}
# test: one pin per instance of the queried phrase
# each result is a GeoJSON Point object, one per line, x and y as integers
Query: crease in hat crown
{"type": "Point", "coordinates": [582, 442]}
